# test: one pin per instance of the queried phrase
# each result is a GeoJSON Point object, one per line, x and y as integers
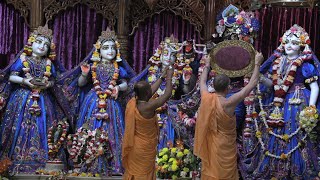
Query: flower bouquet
{"type": "Point", "coordinates": [86, 145]}
{"type": "Point", "coordinates": [308, 118]}
{"type": "Point", "coordinates": [176, 163]}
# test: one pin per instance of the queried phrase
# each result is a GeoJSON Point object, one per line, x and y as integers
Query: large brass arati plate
{"type": "Point", "coordinates": [234, 58]}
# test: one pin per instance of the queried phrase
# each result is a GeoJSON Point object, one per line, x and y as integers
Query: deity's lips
{"type": "Point", "coordinates": [41, 49]}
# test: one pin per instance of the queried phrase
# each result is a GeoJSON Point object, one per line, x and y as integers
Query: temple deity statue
{"type": "Point", "coordinates": [28, 105]}
{"type": "Point", "coordinates": [285, 144]}
{"type": "Point", "coordinates": [94, 88]}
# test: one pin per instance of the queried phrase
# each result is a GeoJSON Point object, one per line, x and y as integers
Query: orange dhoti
{"type": "Point", "coordinates": [139, 147]}
{"type": "Point", "coordinates": [215, 140]}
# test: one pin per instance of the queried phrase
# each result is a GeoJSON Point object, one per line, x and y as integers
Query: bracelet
{"type": "Point", "coordinates": [23, 81]}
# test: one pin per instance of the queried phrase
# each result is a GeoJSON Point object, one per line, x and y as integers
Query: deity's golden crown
{"type": "Point", "coordinates": [108, 34]}
{"type": "Point", "coordinates": [43, 31]}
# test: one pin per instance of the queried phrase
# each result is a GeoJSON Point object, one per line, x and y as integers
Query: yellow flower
{"type": "Point", "coordinates": [186, 151]}
{"type": "Point", "coordinates": [174, 150]}
{"type": "Point", "coordinates": [283, 156]}
{"type": "Point", "coordinates": [161, 154]}
{"type": "Point", "coordinates": [267, 153]}
{"type": "Point", "coordinates": [165, 157]}
{"type": "Point", "coordinates": [31, 39]}
{"type": "Point", "coordinates": [175, 162]}
{"type": "Point", "coordinates": [165, 150]}
{"type": "Point", "coordinates": [48, 68]}
{"type": "Point", "coordinates": [285, 137]}
{"type": "Point", "coordinates": [166, 166]}
{"type": "Point", "coordinates": [180, 154]}
{"type": "Point", "coordinates": [186, 169]}
{"type": "Point", "coordinates": [97, 45]}
{"type": "Point", "coordinates": [174, 167]}
{"type": "Point", "coordinates": [258, 134]}
{"type": "Point", "coordinates": [316, 116]}
{"type": "Point", "coordinates": [26, 64]}
{"type": "Point", "coordinates": [171, 159]}
{"type": "Point", "coordinates": [174, 177]}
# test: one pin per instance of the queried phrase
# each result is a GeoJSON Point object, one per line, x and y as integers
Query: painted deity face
{"type": "Point", "coordinates": [108, 50]}
{"type": "Point", "coordinates": [168, 57]}
{"type": "Point", "coordinates": [40, 46]}
{"type": "Point", "coordinates": [292, 47]}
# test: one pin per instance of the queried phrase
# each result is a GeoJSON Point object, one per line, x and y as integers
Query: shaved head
{"type": "Point", "coordinates": [221, 82]}
{"type": "Point", "coordinates": [143, 90]}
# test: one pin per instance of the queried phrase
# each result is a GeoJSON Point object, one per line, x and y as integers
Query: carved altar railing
{"type": "Point", "coordinates": [191, 10]}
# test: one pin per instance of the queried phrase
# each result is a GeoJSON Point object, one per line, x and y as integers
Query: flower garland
{"type": "Point", "coordinates": [281, 87]}
{"type": "Point", "coordinates": [86, 145]}
{"type": "Point", "coordinates": [62, 134]}
{"type": "Point", "coordinates": [111, 88]}
{"type": "Point", "coordinates": [35, 94]}
{"type": "Point", "coordinates": [284, 137]}
{"type": "Point", "coordinates": [250, 111]}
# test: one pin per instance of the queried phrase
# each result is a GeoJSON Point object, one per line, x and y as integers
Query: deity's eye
{"type": "Point", "coordinates": [295, 42]}
{"type": "Point", "coordinates": [38, 41]}
{"type": "Point", "coordinates": [47, 45]}
{"type": "Point", "coordinates": [287, 41]}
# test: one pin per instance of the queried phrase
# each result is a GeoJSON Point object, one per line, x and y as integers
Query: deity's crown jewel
{"type": "Point", "coordinates": [43, 31]}
{"type": "Point", "coordinates": [108, 34]}
{"type": "Point", "coordinates": [171, 39]}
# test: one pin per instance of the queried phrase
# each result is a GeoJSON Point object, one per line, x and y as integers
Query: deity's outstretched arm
{"type": "Point", "coordinates": [314, 93]}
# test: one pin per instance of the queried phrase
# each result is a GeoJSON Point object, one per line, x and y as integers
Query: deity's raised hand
{"type": "Point", "coordinates": [85, 68]}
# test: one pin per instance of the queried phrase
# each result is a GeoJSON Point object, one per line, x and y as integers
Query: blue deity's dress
{"type": "Point", "coordinates": [23, 135]}
{"type": "Point", "coordinates": [303, 162]}
{"type": "Point", "coordinates": [114, 126]}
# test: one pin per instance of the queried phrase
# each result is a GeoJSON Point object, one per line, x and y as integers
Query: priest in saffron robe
{"type": "Point", "coordinates": [141, 135]}
{"type": "Point", "coordinates": [215, 135]}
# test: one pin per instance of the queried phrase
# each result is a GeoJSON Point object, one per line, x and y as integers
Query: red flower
{"type": "Point", "coordinates": [308, 42]}
{"type": "Point", "coordinates": [280, 40]}
{"type": "Point", "coordinates": [292, 73]}
{"type": "Point", "coordinates": [287, 83]}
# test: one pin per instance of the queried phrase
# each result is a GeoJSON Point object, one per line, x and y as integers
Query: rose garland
{"type": "Point", "coordinates": [54, 148]}
{"type": "Point", "coordinates": [281, 87]}
{"type": "Point", "coordinates": [95, 143]}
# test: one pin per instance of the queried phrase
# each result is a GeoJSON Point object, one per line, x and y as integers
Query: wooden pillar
{"type": "Point", "coordinates": [122, 27]}
{"type": "Point", "coordinates": [212, 8]}
{"type": "Point", "coordinates": [36, 14]}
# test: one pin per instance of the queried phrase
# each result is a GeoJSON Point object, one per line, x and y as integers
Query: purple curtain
{"type": "Point", "coordinates": [152, 31]}
{"type": "Point", "coordinates": [276, 20]}
{"type": "Point", "coordinates": [75, 31]}
{"type": "Point", "coordinates": [13, 33]}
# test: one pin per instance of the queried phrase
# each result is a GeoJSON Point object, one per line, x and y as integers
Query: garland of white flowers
{"type": "Point", "coordinates": [284, 137]}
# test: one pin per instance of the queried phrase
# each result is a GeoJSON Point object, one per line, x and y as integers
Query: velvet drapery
{"type": "Point", "coordinates": [152, 31]}
{"type": "Point", "coordinates": [75, 30]}
{"type": "Point", "coordinates": [13, 33]}
{"type": "Point", "coordinates": [276, 20]}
